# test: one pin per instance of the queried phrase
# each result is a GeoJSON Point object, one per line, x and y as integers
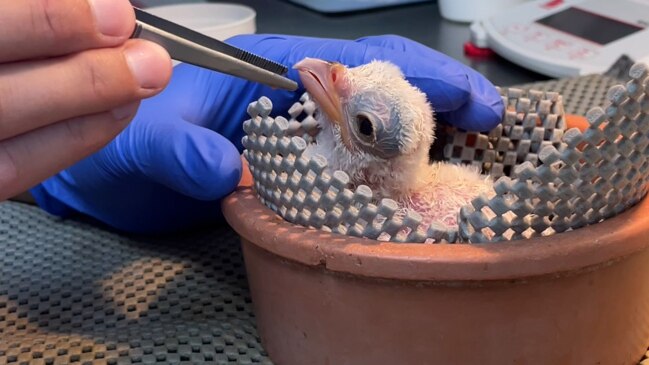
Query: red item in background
{"type": "Point", "coordinates": [471, 50]}
{"type": "Point", "coordinates": [552, 3]}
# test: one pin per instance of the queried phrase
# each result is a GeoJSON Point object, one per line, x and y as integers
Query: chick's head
{"type": "Point", "coordinates": [380, 126]}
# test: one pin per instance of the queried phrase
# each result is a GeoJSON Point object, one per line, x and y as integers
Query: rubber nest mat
{"type": "Point", "coordinates": [73, 293]}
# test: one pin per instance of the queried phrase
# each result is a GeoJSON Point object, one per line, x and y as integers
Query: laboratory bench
{"type": "Point", "coordinates": [73, 291]}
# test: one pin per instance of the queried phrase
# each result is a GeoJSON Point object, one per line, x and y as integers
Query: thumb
{"type": "Point", "coordinates": [187, 158]}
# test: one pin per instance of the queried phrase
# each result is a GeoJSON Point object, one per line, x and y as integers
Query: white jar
{"type": "Point", "coordinates": [467, 11]}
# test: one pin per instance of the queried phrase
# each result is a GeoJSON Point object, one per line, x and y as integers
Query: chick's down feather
{"type": "Point", "coordinates": [378, 128]}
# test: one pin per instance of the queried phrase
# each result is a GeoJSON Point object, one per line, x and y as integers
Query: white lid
{"type": "Point", "coordinates": [219, 21]}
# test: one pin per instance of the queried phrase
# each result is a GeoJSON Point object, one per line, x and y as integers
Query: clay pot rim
{"type": "Point", "coordinates": [595, 245]}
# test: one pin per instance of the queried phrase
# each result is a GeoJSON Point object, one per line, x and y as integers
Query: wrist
{"type": "Point", "coordinates": [24, 197]}
{"type": "Point", "coordinates": [41, 197]}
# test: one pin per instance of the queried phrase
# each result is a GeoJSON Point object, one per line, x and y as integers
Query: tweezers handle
{"type": "Point", "coordinates": [189, 52]}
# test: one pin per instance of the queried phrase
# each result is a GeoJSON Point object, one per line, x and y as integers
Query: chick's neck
{"type": "Point", "coordinates": [397, 178]}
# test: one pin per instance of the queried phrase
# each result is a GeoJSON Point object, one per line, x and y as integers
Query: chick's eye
{"type": "Point", "coordinates": [365, 126]}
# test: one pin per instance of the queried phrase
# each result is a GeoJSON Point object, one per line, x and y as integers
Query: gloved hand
{"type": "Point", "coordinates": [181, 154]}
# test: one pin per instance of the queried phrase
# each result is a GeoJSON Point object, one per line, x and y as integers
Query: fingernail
{"type": "Point", "coordinates": [125, 111]}
{"type": "Point", "coordinates": [112, 17]}
{"type": "Point", "coordinates": [149, 63]}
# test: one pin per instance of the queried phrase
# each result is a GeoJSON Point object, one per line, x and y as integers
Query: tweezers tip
{"type": "Point", "coordinates": [263, 62]}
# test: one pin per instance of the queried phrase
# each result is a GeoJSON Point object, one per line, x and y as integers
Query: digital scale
{"type": "Point", "coordinates": [567, 38]}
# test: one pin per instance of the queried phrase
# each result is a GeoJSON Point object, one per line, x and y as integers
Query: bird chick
{"type": "Point", "coordinates": [378, 128]}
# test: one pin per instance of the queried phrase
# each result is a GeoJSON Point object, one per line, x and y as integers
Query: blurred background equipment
{"type": "Point", "coordinates": [567, 38]}
{"type": "Point", "coordinates": [466, 11]}
{"type": "Point", "coordinates": [216, 20]}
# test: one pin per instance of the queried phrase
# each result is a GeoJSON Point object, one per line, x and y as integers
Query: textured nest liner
{"type": "Point", "coordinates": [548, 179]}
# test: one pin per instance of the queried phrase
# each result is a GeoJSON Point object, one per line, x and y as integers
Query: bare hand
{"type": "Point", "coordinates": [70, 81]}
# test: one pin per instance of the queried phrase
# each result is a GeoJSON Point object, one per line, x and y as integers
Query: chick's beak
{"type": "Point", "coordinates": [322, 80]}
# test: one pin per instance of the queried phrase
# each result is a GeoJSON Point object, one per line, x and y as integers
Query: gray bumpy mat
{"type": "Point", "coordinates": [73, 293]}
{"type": "Point", "coordinates": [584, 92]}
{"type": "Point", "coordinates": [547, 178]}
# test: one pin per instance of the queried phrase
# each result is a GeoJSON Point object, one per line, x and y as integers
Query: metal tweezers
{"type": "Point", "coordinates": [188, 46]}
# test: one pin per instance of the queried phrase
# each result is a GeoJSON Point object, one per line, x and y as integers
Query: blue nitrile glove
{"type": "Point", "coordinates": [180, 155]}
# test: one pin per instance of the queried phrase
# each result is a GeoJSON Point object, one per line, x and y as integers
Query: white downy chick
{"type": "Point", "coordinates": [378, 128]}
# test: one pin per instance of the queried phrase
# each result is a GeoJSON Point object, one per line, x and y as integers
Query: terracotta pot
{"type": "Point", "coordinates": [580, 297]}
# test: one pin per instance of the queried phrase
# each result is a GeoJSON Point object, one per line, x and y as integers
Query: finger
{"type": "Point", "coordinates": [188, 159]}
{"type": "Point", "coordinates": [483, 109]}
{"type": "Point", "coordinates": [37, 93]}
{"type": "Point", "coordinates": [30, 158]}
{"type": "Point", "coordinates": [402, 44]}
{"type": "Point", "coordinates": [44, 28]}
{"type": "Point", "coordinates": [443, 79]}
{"type": "Point", "coordinates": [459, 94]}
